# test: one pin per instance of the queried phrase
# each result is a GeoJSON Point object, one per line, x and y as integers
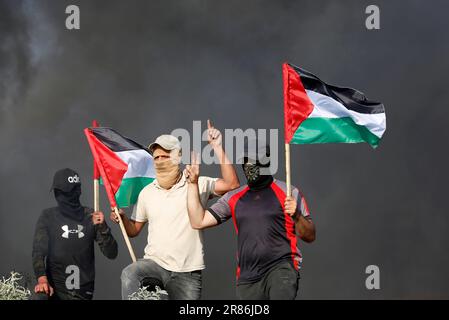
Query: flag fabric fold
{"type": "Point", "coordinates": [125, 166]}
{"type": "Point", "coordinates": [317, 112]}
{"type": "Point", "coordinates": [96, 175]}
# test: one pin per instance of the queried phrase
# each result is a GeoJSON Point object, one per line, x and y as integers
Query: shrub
{"type": "Point", "coordinates": [10, 289]}
{"type": "Point", "coordinates": [144, 294]}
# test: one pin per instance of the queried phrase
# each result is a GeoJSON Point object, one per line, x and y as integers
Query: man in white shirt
{"type": "Point", "coordinates": [174, 253]}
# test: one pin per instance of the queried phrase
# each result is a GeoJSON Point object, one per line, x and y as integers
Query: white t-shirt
{"type": "Point", "coordinates": [172, 242]}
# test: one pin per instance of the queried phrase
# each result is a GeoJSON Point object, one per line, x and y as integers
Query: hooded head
{"type": "Point", "coordinates": [166, 152]}
{"type": "Point", "coordinates": [67, 190]}
{"type": "Point", "coordinates": [256, 164]}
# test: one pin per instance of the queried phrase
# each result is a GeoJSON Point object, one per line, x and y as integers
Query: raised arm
{"type": "Point", "coordinates": [229, 179]}
{"type": "Point", "coordinates": [198, 216]}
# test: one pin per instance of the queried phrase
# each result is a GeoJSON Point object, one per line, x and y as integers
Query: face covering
{"type": "Point", "coordinates": [69, 203]}
{"type": "Point", "coordinates": [255, 180]}
{"type": "Point", "coordinates": [167, 173]}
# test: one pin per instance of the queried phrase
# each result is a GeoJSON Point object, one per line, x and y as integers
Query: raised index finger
{"type": "Point", "coordinates": [197, 159]}
{"type": "Point", "coordinates": [209, 124]}
{"type": "Point", "coordinates": [193, 158]}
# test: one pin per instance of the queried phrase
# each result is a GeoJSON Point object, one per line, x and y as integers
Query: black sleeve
{"type": "Point", "coordinates": [106, 241]}
{"type": "Point", "coordinates": [40, 246]}
{"type": "Point", "coordinates": [221, 210]}
{"type": "Point", "coordinates": [215, 215]}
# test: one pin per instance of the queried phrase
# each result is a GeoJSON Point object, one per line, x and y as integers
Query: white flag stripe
{"type": "Point", "coordinates": [326, 107]}
{"type": "Point", "coordinates": [140, 163]}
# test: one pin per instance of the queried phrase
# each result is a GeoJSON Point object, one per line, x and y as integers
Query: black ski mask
{"type": "Point", "coordinates": [67, 190]}
{"type": "Point", "coordinates": [256, 181]}
{"type": "Point", "coordinates": [69, 203]}
{"type": "Point", "coordinates": [256, 163]}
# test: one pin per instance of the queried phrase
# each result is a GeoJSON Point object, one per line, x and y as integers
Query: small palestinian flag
{"type": "Point", "coordinates": [316, 112]}
{"type": "Point", "coordinates": [125, 166]}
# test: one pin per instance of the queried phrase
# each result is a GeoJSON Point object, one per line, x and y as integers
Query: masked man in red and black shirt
{"type": "Point", "coordinates": [267, 223]}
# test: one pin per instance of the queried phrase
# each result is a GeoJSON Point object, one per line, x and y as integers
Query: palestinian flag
{"type": "Point", "coordinates": [317, 112]}
{"type": "Point", "coordinates": [125, 166]}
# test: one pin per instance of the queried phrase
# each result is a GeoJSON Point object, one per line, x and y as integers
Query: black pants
{"type": "Point", "coordinates": [61, 295]}
{"type": "Point", "coordinates": [279, 283]}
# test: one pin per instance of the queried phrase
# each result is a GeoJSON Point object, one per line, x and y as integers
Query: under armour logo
{"type": "Point", "coordinates": [67, 231]}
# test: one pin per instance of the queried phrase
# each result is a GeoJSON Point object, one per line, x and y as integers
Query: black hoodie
{"type": "Point", "coordinates": [61, 241]}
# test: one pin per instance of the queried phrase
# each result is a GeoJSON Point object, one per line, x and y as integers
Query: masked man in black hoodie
{"type": "Point", "coordinates": [63, 247]}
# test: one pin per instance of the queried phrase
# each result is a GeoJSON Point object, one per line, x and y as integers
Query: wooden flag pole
{"type": "Point", "coordinates": [96, 180]}
{"type": "Point", "coordinates": [125, 235]}
{"type": "Point", "coordinates": [96, 195]}
{"type": "Point", "coordinates": [287, 170]}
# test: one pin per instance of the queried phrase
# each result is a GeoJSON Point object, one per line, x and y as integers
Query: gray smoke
{"type": "Point", "coordinates": [148, 67]}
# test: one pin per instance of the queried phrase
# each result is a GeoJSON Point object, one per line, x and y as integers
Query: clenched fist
{"type": "Point", "coordinates": [290, 205]}
{"type": "Point", "coordinates": [97, 217]}
{"type": "Point", "coordinates": [114, 217]}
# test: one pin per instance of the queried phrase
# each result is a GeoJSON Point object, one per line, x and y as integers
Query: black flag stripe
{"type": "Point", "coordinates": [352, 99]}
{"type": "Point", "coordinates": [115, 141]}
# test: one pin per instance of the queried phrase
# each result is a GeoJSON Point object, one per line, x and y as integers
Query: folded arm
{"type": "Point", "coordinates": [304, 226]}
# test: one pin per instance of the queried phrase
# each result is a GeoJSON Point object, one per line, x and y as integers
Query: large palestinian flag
{"type": "Point", "coordinates": [317, 112]}
{"type": "Point", "coordinates": [125, 166]}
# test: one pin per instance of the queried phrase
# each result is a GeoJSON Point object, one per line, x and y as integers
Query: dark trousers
{"type": "Point", "coordinates": [61, 295]}
{"type": "Point", "coordinates": [279, 283]}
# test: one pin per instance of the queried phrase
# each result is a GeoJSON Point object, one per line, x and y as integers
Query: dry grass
{"type": "Point", "coordinates": [144, 294]}
{"type": "Point", "coordinates": [10, 289]}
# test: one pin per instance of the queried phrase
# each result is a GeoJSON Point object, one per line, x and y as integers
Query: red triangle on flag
{"type": "Point", "coordinates": [111, 167]}
{"type": "Point", "coordinates": [297, 105]}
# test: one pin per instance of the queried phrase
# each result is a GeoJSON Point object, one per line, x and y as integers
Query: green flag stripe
{"type": "Point", "coordinates": [129, 190]}
{"type": "Point", "coordinates": [333, 130]}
